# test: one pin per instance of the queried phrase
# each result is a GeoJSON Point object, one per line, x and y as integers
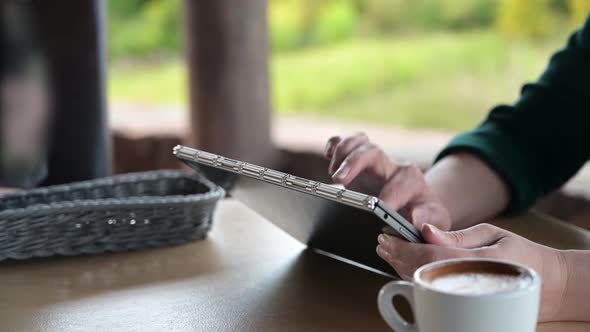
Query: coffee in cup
{"type": "Point", "coordinates": [476, 283]}
{"type": "Point", "coordinates": [466, 295]}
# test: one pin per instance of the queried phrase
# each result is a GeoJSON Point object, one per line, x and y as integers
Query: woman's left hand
{"type": "Point", "coordinates": [480, 241]}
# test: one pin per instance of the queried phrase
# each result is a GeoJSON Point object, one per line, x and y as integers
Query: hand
{"type": "Point", "coordinates": [480, 241]}
{"type": "Point", "coordinates": [362, 166]}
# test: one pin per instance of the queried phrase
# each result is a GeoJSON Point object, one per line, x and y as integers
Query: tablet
{"type": "Point", "coordinates": [327, 218]}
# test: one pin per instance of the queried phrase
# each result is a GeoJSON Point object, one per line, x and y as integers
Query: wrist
{"type": "Point", "coordinates": [468, 188]}
{"type": "Point", "coordinates": [570, 289]}
{"type": "Point", "coordinates": [554, 278]}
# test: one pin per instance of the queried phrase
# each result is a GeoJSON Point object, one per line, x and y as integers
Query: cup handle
{"type": "Point", "coordinates": [388, 311]}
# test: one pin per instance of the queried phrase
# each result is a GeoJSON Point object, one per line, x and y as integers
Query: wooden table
{"type": "Point", "coordinates": [247, 276]}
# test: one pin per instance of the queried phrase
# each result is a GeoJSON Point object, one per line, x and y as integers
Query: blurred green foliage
{"type": "Point", "coordinates": [526, 18]}
{"type": "Point", "coordinates": [144, 27]}
{"type": "Point", "coordinates": [414, 63]}
{"type": "Point", "coordinates": [390, 16]}
{"type": "Point", "coordinates": [580, 10]}
{"type": "Point", "coordinates": [147, 27]}
{"type": "Point", "coordinates": [440, 80]}
{"type": "Point", "coordinates": [296, 24]}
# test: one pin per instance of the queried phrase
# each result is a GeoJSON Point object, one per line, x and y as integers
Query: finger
{"type": "Point", "coordinates": [406, 267]}
{"type": "Point", "coordinates": [408, 252]}
{"type": "Point", "coordinates": [397, 251]}
{"type": "Point", "coordinates": [404, 270]}
{"type": "Point", "coordinates": [331, 145]}
{"type": "Point", "coordinates": [345, 147]}
{"type": "Point", "coordinates": [405, 183]}
{"type": "Point", "coordinates": [388, 230]}
{"type": "Point", "coordinates": [431, 213]}
{"type": "Point", "coordinates": [473, 237]}
{"type": "Point", "coordinates": [391, 231]}
{"type": "Point", "coordinates": [365, 157]}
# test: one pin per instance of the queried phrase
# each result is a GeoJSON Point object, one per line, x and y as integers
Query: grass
{"type": "Point", "coordinates": [156, 83]}
{"type": "Point", "coordinates": [443, 80]}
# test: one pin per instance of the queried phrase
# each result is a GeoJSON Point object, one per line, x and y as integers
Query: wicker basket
{"type": "Point", "coordinates": [117, 213]}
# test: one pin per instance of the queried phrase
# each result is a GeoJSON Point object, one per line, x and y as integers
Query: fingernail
{"type": "Point", "coordinates": [382, 238]}
{"type": "Point", "coordinates": [381, 252]}
{"type": "Point", "coordinates": [431, 228]}
{"type": "Point", "coordinates": [342, 171]}
{"type": "Point", "coordinates": [331, 168]}
{"type": "Point", "coordinates": [327, 150]}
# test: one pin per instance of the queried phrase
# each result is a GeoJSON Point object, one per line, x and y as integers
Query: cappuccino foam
{"type": "Point", "coordinates": [471, 283]}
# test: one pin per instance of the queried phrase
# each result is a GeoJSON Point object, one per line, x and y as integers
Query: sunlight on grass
{"type": "Point", "coordinates": [446, 81]}
{"type": "Point", "coordinates": [162, 83]}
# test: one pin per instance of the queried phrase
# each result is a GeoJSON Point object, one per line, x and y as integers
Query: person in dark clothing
{"type": "Point", "coordinates": [53, 126]}
{"type": "Point", "coordinates": [517, 155]}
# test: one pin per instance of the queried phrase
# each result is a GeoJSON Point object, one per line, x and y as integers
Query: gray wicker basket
{"type": "Point", "coordinates": [117, 213]}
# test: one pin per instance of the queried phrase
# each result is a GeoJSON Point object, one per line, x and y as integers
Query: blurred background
{"type": "Point", "coordinates": [410, 73]}
{"type": "Point", "coordinates": [414, 64]}
{"type": "Point", "coordinates": [267, 81]}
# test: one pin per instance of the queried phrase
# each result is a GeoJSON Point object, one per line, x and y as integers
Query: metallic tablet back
{"type": "Point", "coordinates": [331, 220]}
{"type": "Point", "coordinates": [333, 228]}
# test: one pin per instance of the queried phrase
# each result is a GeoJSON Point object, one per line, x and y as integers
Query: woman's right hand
{"type": "Point", "coordinates": [362, 166]}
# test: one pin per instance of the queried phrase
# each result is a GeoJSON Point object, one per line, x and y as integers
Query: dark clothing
{"type": "Point", "coordinates": [542, 140]}
{"type": "Point", "coordinates": [59, 48]}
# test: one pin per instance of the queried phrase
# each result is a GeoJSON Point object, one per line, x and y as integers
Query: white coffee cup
{"type": "Point", "coordinates": [508, 305]}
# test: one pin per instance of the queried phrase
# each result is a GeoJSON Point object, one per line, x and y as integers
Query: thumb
{"type": "Point", "coordinates": [472, 237]}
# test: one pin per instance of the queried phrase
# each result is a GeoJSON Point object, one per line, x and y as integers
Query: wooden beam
{"type": "Point", "coordinates": [227, 54]}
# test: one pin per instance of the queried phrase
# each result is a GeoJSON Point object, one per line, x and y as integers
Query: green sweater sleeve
{"type": "Point", "coordinates": [542, 140]}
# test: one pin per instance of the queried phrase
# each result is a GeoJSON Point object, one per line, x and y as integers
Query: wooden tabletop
{"type": "Point", "coordinates": [247, 276]}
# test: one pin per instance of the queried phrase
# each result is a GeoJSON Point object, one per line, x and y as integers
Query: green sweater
{"type": "Point", "coordinates": [542, 140]}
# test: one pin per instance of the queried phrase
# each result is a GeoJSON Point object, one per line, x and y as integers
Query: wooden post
{"type": "Point", "coordinates": [227, 53]}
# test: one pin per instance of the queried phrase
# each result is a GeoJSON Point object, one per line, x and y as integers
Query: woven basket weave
{"type": "Point", "coordinates": [117, 213]}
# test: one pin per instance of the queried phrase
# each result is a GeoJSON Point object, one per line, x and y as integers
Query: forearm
{"type": "Point", "coordinates": [468, 188]}
{"type": "Point", "coordinates": [573, 304]}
